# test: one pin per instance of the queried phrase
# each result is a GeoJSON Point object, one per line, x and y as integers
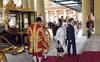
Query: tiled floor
{"type": "Point", "coordinates": [93, 43]}
{"type": "Point", "coordinates": [82, 43]}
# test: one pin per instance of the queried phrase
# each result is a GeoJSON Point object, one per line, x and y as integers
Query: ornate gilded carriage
{"type": "Point", "coordinates": [14, 23]}
{"type": "Point", "coordinates": [15, 26]}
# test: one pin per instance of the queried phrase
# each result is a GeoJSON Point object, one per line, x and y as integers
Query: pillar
{"type": "Point", "coordinates": [97, 16]}
{"type": "Point", "coordinates": [65, 14]}
{"type": "Point", "coordinates": [25, 4]}
{"type": "Point", "coordinates": [39, 8]}
{"type": "Point", "coordinates": [1, 3]}
{"type": "Point", "coordinates": [74, 14]}
{"type": "Point", "coordinates": [56, 16]}
{"type": "Point", "coordinates": [31, 4]}
{"type": "Point", "coordinates": [47, 16]}
{"type": "Point", "coordinates": [86, 9]}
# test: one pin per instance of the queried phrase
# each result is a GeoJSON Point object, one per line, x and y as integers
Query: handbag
{"type": "Point", "coordinates": [60, 48]}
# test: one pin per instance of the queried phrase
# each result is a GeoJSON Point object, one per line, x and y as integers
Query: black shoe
{"type": "Point", "coordinates": [45, 58]}
{"type": "Point", "coordinates": [74, 54]}
{"type": "Point", "coordinates": [61, 57]}
{"type": "Point", "coordinates": [69, 56]}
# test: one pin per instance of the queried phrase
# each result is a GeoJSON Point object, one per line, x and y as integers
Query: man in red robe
{"type": "Point", "coordinates": [35, 32]}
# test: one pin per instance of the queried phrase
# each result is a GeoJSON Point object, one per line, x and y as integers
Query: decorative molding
{"type": "Point", "coordinates": [10, 5]}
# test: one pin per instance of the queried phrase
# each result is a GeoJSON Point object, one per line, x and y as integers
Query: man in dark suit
{"type": "Point", "coordinates": [71, 37]}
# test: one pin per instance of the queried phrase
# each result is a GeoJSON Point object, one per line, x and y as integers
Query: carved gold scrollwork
{"type": "Point", "coordinates": [10, 5]}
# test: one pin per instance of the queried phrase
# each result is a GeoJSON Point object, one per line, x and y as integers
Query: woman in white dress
{"type": "Point", "coordinates": [60, 37]}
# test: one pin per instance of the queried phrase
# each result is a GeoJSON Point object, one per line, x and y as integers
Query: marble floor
{"type": "Point", "coordinates": [82, 44]}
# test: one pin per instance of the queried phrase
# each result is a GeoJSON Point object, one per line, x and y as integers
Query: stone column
{"type": "Point", "coordinates": [97, 16]}
{"type": "Point", "coordinates": [47, 17]}
{"type": "Point", "coordinates": [1, 3]}
{"type": "Point", "coordinates": [25, 4]}
{"type": "Point", "coordinates": [65, 13]}
{"type": "Point", "coordinates": [31, 4]}
{"type": "Point", "coordinates": [86, 10]}
{"type": "Point", "coordinates": [39, 8]}
{"type": "Point", "coordinates": [56, 16]}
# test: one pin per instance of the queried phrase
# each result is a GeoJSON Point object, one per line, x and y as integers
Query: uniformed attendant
{"type": "Point", "coordinates": [71, 37]}
{"type": "Point", "coordinates": [88, 26]}
{"type": "Point", "coordinates": [36, 39]}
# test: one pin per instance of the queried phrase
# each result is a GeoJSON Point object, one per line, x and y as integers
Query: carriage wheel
{"type": "Point", "coordinates": [2, 57]}
{"type": "Point", "coordinates": [47, 40]}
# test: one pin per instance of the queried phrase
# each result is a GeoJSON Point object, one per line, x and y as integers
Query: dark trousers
{"type": "Point", "coordinates": [89, 33]}
{"type": "Point", "coordinates": [73, 47]}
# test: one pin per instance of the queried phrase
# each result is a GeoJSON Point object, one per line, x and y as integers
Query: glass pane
{"type": "Point", "coordinates": [1, 18]}
{"type": "Point", "coordinates": [26, 21]}
{"type": "Point", "coordinates": [32, 17]}
{"type": "Point", "coordinates": [14, 21]}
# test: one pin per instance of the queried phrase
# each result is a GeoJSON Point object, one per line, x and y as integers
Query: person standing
{"type": "Point", "coordinates": [71, 37]}
{"type": "Point", "coordinates": [35, 32]}
{"type": "Point", "coordinates": [61, 36]}
{"type": "Point", "coordinates": [61, 20]}
{"type": "Point", "coordinates": [88, 26]}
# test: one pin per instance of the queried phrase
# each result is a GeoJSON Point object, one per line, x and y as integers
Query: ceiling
{"type": "Point", "coordinates": [73, 4]}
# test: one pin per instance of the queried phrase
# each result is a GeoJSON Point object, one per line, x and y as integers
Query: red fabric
{"type": "Point", "coordinates": [39, 54]}
{"type": "Point", "coordinates": [40, 34]}
{"type": "Point", "coordinates": [32, 30]}
{"type": "Point", "coordinates": [37, 27]}
{"type": "Point", "coordinates": [40, 44]}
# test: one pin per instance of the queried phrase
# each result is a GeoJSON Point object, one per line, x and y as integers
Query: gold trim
{"type": "Point", "coordinates": [2, 57]}
{"type": "Point", "coordinates": [34, 39]}
{"type": "Point", "coordinates": [11, 51]}
{"type": "Point", "coordinates": [38, 39]}
{"type": "Point", "coordinates": [6, 49]}
{"type": "Point", "coordinates": [47, 40]}
{"type": "Point", "coordinates": [2, 37]}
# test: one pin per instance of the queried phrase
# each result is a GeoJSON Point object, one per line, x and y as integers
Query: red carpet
{"type": "Point", "coordinates": [66, 59]}
{"type": "Point", "coordinates": [88, 56]}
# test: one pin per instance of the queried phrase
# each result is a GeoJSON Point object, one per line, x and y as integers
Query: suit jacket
{"type": "Point", "coordinates": [70, 32]}
{"type": "Point", "coordinates": [87, 24]}
{"type": "Point", "coordinates": [60, 22]}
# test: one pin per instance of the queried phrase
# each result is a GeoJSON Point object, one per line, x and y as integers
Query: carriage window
{"type": "Point", "coordinates": [26, 21]}
{"type": "Point", "coordinates": [1, 18]}
{"type": "Point", "coordinates": [14, 21]}
{"type": "Point", "coordinates": [32, 17]}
